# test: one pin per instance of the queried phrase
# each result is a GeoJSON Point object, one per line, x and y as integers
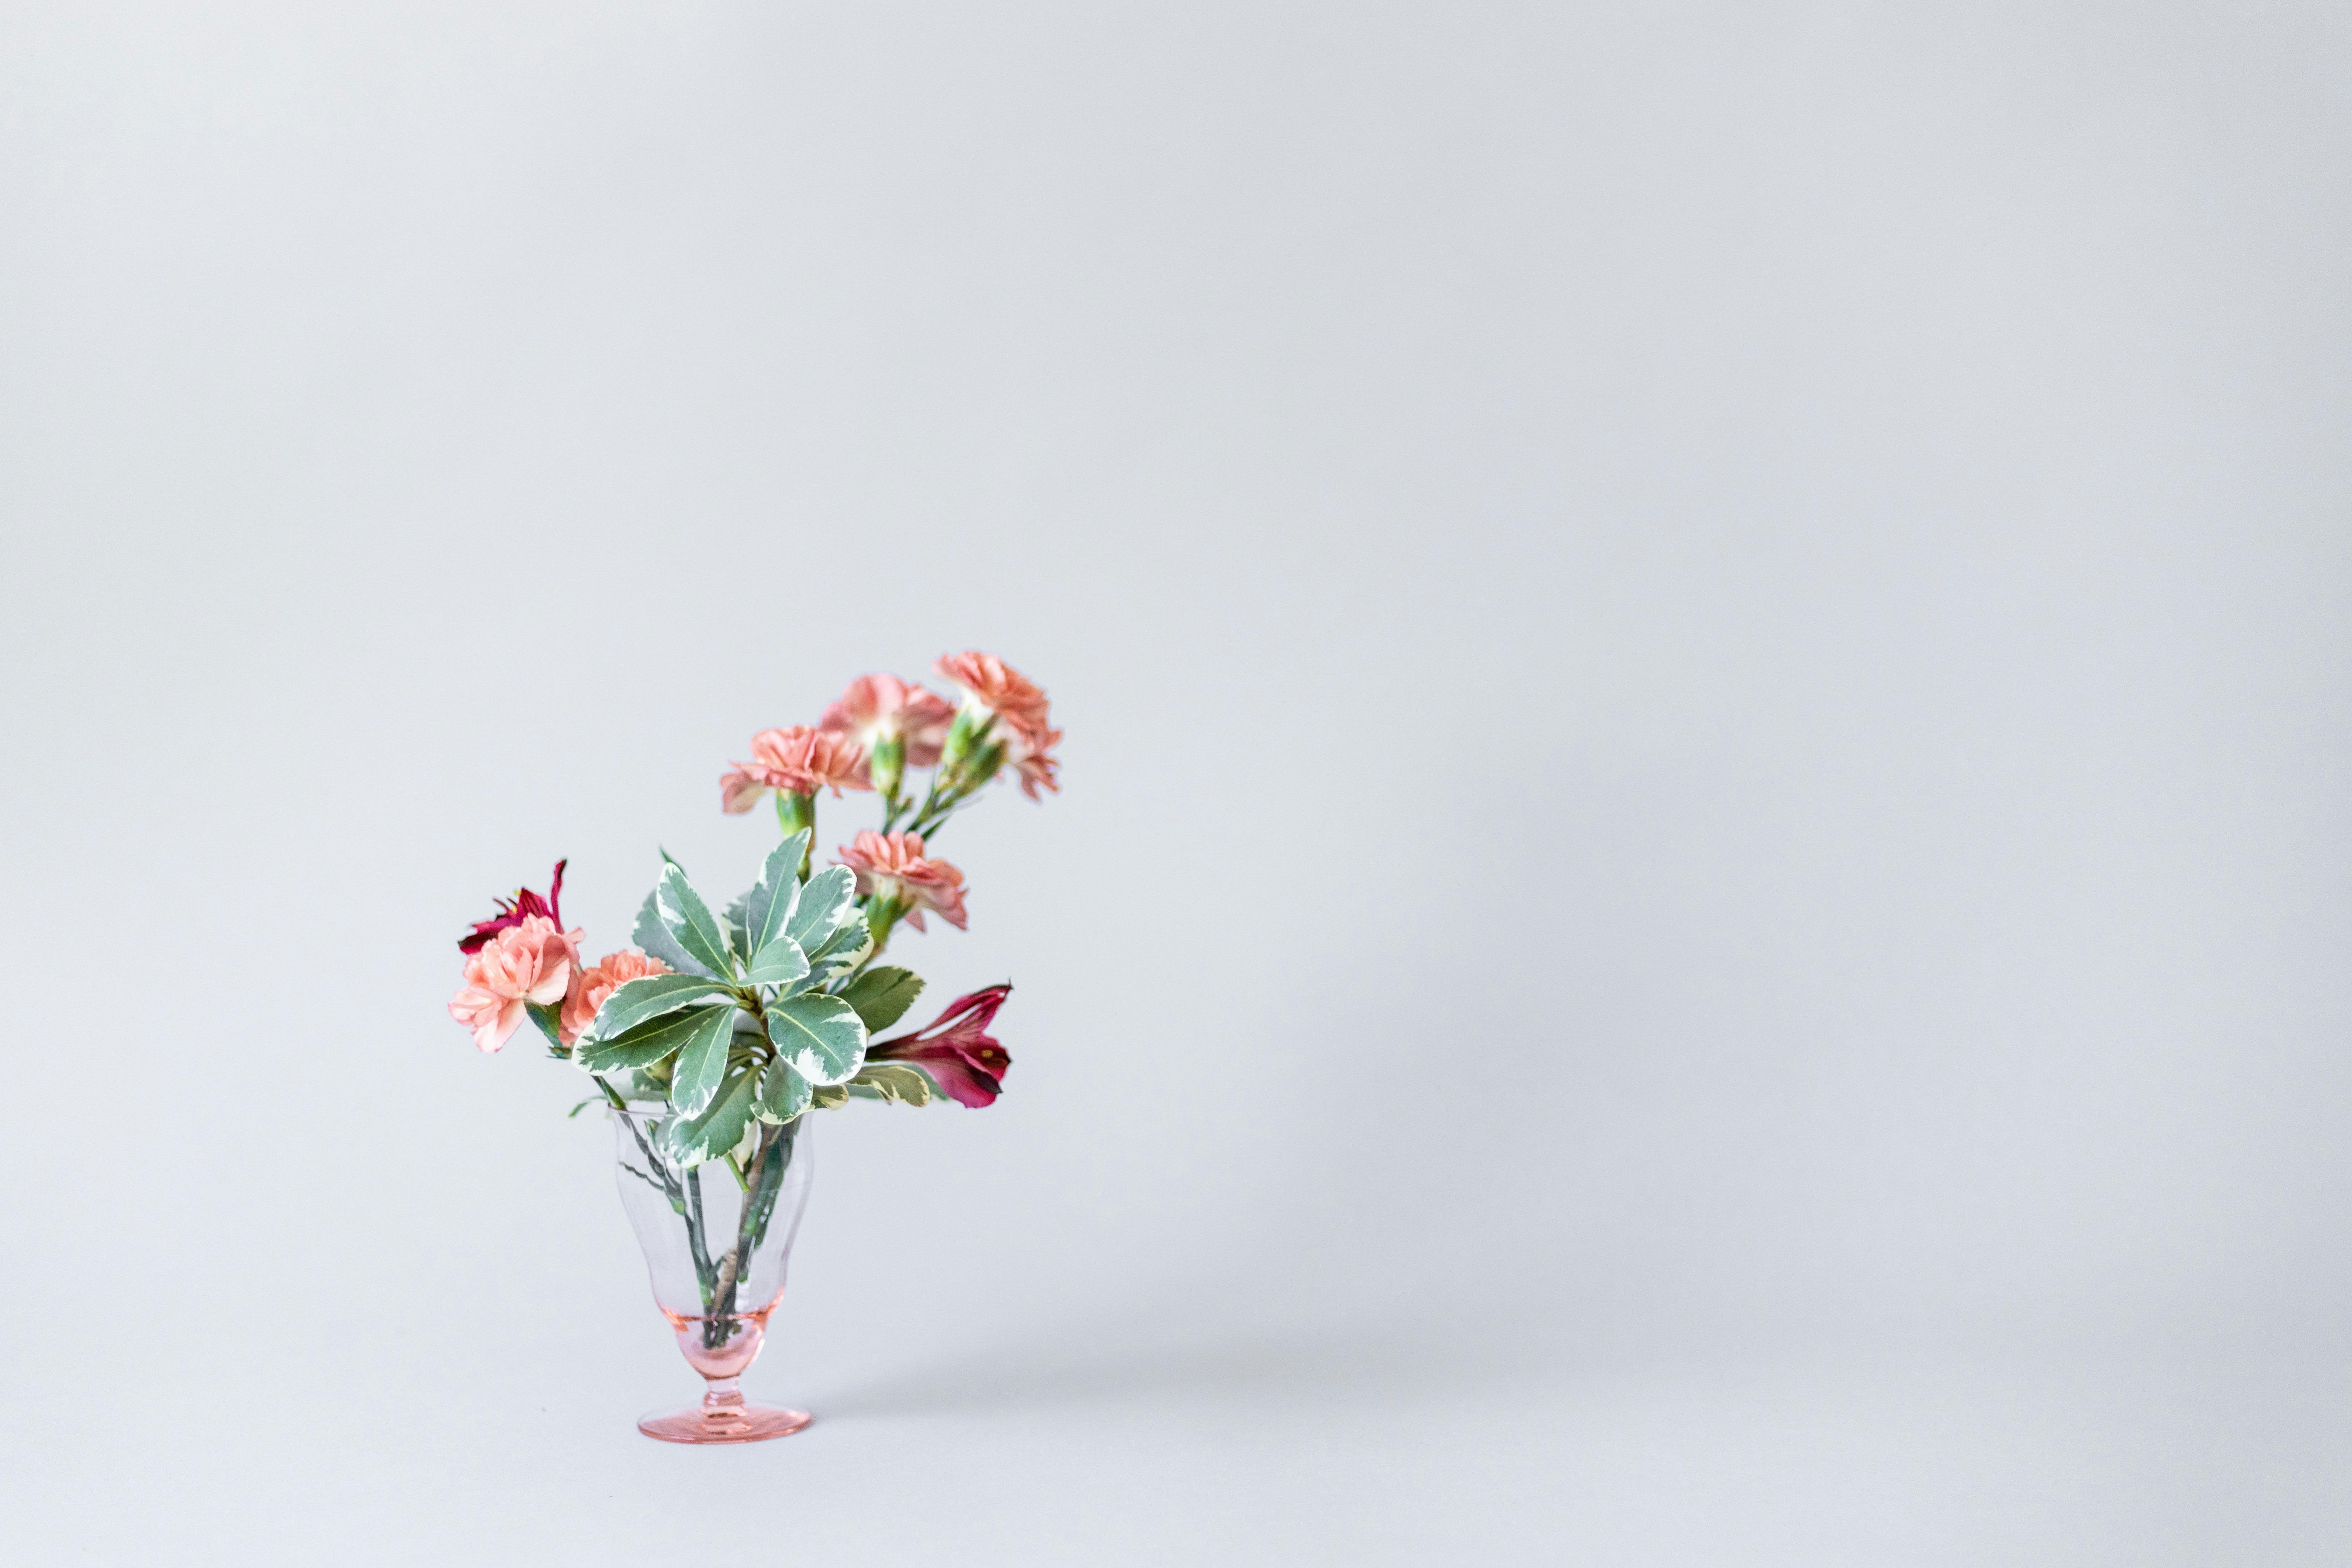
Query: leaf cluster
{"type": "Point", "coordinates": [767, 1010]}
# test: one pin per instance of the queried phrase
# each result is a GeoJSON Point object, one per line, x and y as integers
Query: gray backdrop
{"type": "Point", "coordinates": [1700, 911]}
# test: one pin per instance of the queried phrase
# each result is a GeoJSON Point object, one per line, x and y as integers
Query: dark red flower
{"type": "Point", "coordinates": [515, 911]}
{"type": "Point", "coordinates": [956, 1050]}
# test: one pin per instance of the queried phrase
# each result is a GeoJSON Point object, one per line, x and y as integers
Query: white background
{"type": "Point", "coordinates": [1700, 911]}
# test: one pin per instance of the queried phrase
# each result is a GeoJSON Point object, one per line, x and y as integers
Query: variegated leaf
{"type": "Point", "coordinates": [781, 962]}
{"type": "Point", "coordinates": [647, 996]}
{"type": "Point", "coordinates": [654, 941]}
{"type": "Point", "coordinates": [648, 1044]}
{"type": "Point", "coordinates": [827, 902]}
{"type": "Point", "coordinates": [691, 920]}
{"type": "Point", "coordinates": [845, 948]}
{"type": "Point", "coordinates": [735, 916]}
{"type": "Point", "coordinates": [893, 1081]}
{"type": "Point", "coordinates": [703, 1062]}
{"type": "Point", "coordinates": [883, 995]}
{"type": "Point", "coordinates": [783, 1093]}
{"type": "Point", "coordinates": [692, 1140]}
{"type": "Point", "coordinates": [822, 1036]}
{"type": "Point", "coordinates": [768, 907]}
{"type": "Point", "coordinates": [827, 1096]}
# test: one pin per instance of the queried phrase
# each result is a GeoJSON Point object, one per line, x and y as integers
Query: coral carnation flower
{"type": "Point", "coordinates": [878, 708]}
{"type": "Point", "coordinates": [611, 973]}
{"type": "Point", "coordinates": [527, 963]}
{"type": "Point", "coordinates": [798, 760]}
{"type": "Point", "coordinates": [1032, 758]}
{"type": "Point", "coordinates": [956, 1050]}
{"type": "Point", "coordinates": [894, 867]}
{"type": "Point", "coordinates": [990, 683]}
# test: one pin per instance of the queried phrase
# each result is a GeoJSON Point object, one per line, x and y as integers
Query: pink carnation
{"type": "Point", "coordinates": [988, 682]}
{"type": "Point", "coordinates": [879, 707]}
{"type": "Point", "coordinates": [531, 963]}
{"type": "Point", "coordinates": [893, 866]}
{"type": "Point", "coordinates": [798, 760]}
{"type": "Point", "coordinates": [613, 971]}
{"type": "Point", "coordinates": [1031, 756]}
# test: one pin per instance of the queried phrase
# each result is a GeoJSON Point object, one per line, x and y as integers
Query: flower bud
{"type": "Point", "coordinates": [796, 811]}
{"type": "Point", "coordinates": [959, 741]}
{"type": "Point", "coordinates": [888, 763]}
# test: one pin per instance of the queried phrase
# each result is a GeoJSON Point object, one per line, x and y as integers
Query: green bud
{"type": "Point", "coordinates": [888, 764]}
{"type": "Point", "coordinates": [959, 739]}
{"type": "Point", "coordinates": [796, 812]}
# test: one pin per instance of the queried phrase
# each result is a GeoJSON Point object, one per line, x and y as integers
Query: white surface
{"type": "Point", "coordinates": [1701, 907]}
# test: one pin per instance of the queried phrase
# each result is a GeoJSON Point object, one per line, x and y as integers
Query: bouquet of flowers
{"type": "Point", "coordinates": [713, 1035]}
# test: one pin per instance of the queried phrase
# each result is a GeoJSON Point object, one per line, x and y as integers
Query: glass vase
{"type": "Point", "coordinates": [717, 1238]}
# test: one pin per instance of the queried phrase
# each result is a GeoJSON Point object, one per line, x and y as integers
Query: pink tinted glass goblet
{"type": "Point", "coordinates": [716, 1239]}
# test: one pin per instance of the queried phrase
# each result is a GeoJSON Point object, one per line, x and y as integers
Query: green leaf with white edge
{"type": "Point", "coordinates": [736, 915]}
{"type": "Point", "coordinates": [647, 996]}
{"type": "Point", "coordinates": [843, 949]}
{"type": "Point", "coordinates": [648, 1044]}
{"type": "Point", "coordinates": [822, 1036]}
{"type": "Point", "coordinates": [890, 1081]}
{"type": "Point", "coordinates": [828, 901]}
{"type": "Point", "coordinates": [747, 1146]}
{"type": "Point", "coordinates": [883, 995]}
{"type": "Point", "coordinates": [693, 1139]}
{"type": "Point", "coordinates": [703, 1062]}
{"type": "Point", "coordinates": [783, 1093]}
{"type": "Point", "coordinates": [685, 917]}
{"type": "Point", "coordinates": [642, 1083]}
{"type": "Point", "coordinates": [654, 941]}
{"type": "Point", "coordinates": [828, 1097]}
{"type": "Point", "coordinates": [550, 1022]}
{"type": "Point", "coordinates": [768, 907]}
{"type": "Point", "coordinates": [781, 962]}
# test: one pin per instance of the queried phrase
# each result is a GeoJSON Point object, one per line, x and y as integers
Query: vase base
{"type": "Point", "coordinates": [725, 1424]}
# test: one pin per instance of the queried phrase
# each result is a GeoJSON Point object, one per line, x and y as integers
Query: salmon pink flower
{"type": "Point", "coordinates": [893, 866]}
{"type": "Point", "coordinates": [513, 911]}
{"type": "Point", "coordinates": [1032, 757]}
{"type": "Point", "coordinates": [798, 761]}
{"type": "Point", "coordinates": [990, 684]}
{"type": "Point", "coordinates": [611, 973]}
{"type": "Point", "coordinates": [956, 1050]}
{"type": "Point", "coordinates": [882, 708]}
{"type": "Point", "coordinates": [531, 962]}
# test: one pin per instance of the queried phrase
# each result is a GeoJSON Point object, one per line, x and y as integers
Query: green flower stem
{"type": "Point", "coordinates": [935, 815]}
{"type": "Point", "coordinates": [796, 812]}
{"type": "Point", "coordinates": [880, 918]}
{"type": "Point", "coordinates": [705, 1275]}
{"type": "Point", "coordinates": [931, 797]}
{"type": "Point", "coordinates": [750, 1228]}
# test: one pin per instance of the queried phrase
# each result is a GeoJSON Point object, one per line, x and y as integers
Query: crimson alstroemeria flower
{"type": "Point", "coordinates": [956, 1050]}
{"type": "Point", "coordinates": [515, 911]}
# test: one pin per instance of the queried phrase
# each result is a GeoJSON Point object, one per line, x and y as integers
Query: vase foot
{"type": "Point", "coordinates": [723, 1423]}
